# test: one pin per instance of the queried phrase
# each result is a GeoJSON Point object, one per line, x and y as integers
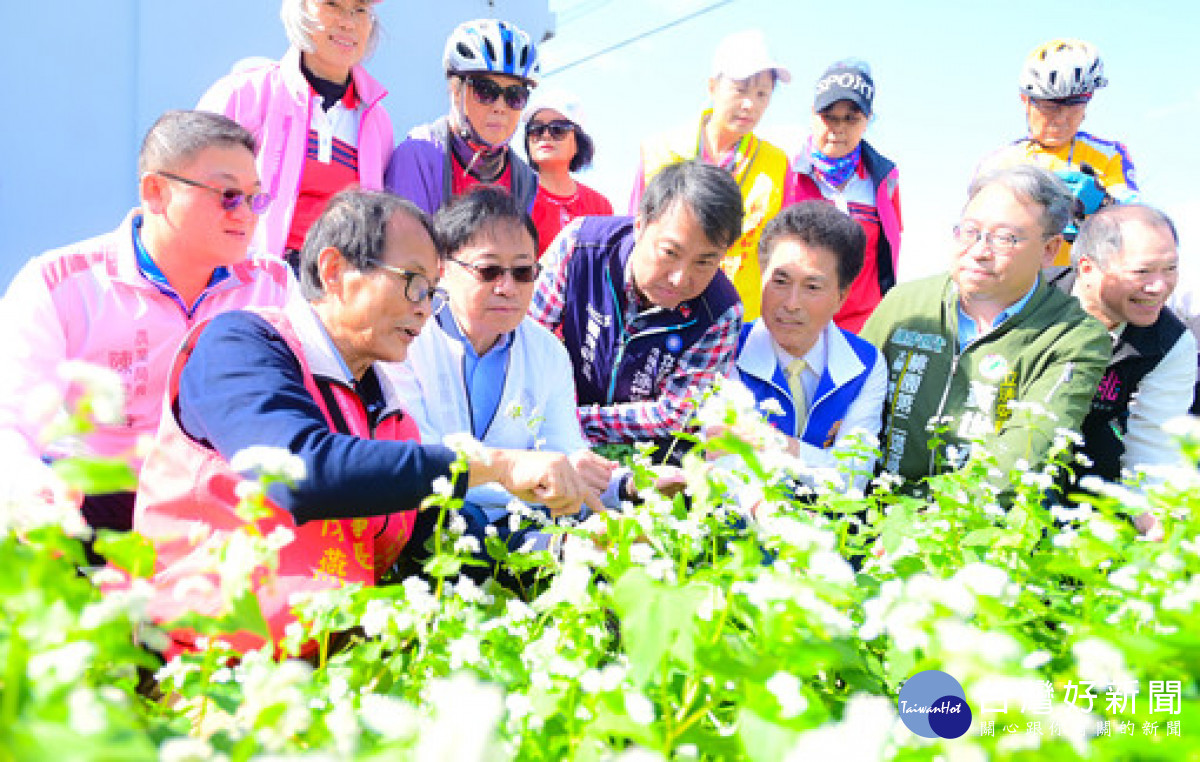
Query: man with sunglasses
{"type": "Point", "coordinates": [991, 352]}
{"type": "Point", "coordinates": [124, 301]}
{"type": "Point", "coordinates": [642, 306]}
{"type": "Point", "coordinates": [490, 68]}
{"type": "Point", "coordinates": [1057, 83]}
{"type": "Point", "coordinates": [483, 367]}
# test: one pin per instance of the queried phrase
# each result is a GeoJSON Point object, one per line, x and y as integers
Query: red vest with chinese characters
{"type": "Point", "coordinates": [187, 505]}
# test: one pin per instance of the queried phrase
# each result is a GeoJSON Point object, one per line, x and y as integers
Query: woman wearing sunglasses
{"type": "Point", "coordinates": [315, 113]}
{"type": "Point", "coordinates": [490, 68]}
{"type": "Point", "coordinates": [557, 145]}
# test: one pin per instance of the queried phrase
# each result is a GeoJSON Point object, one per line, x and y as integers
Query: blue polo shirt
{"type": "Point", "coordinates": [483, 375]}
{"type": "Point", "coordinates": [158, 278]}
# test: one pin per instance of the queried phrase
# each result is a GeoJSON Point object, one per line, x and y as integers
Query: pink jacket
{"type": "Point", "coordinates": [273, 102]}
{"type": "Point", "coordinates": [90, 302]}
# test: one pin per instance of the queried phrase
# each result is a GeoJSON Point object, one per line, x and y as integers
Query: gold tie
{"type": "Point", "coordinates": [795, 370]}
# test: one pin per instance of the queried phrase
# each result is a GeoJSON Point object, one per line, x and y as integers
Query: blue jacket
{"type": "Point", "coordinates": [854, 373]}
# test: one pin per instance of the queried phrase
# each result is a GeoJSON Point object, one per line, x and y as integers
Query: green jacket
{"type": "Point", "coordinates": [1050, 354]}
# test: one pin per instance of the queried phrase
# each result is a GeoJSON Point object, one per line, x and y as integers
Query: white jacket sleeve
{"type": "Point", "coordinates": [1164, 393]}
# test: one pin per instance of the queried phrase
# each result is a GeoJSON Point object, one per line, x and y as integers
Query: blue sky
{"type": "Point", "coordinates": [945, 75]}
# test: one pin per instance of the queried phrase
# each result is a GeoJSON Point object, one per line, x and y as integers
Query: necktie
{"type": "Point", "coordinates": [795, 370]}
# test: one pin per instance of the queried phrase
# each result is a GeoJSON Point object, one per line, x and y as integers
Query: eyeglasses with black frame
{"type": "Point", "coordinates": [557, 129]}
{"type": "Point", "coordinates": [969, 235]}
{"type": "Point", "coordinates": [487, 90]}
{"type": "Point", "coordinates": [492, 273]}
{"type": "Point", "coordinates": [417, 286]}
{"type": "Point", "coordinates": [231, 198]}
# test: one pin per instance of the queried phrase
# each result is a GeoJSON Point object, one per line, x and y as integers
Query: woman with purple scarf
{"type": "Point", "coordinates": [838, 166]}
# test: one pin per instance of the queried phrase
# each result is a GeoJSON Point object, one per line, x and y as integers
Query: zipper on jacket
{"type": "Point", "coordinates": [942, 403]}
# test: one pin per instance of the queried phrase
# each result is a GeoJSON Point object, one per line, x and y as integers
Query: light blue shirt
{"type": "Point", "coordinates": [968, 329]}
{"type": "Point", "coordinates": [483, 376]}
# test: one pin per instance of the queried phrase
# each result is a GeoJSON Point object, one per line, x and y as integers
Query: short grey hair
{"type": "Point", "coordinates": [299, 23]}
{"type": "Point", "coordinates": [177, 137]}
{"type": "Point", "coordinates": [1033, 184]}
{"type": "Point", "coordinates": [1100, 234]}
{"type": "Point", "coordinates": [355, 223]}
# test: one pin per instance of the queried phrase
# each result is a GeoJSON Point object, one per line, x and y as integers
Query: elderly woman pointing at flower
{"type": "Point", "coordinates": [303, 379]}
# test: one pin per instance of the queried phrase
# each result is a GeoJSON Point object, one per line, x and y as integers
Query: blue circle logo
{"type": "Point", "coordinates": [932, 705]}
{"type": "Point", "coordinates": [674, 343]}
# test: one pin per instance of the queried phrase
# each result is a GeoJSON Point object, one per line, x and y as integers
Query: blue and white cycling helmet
{"type": "Point", "coordinates": [488, 46]}
{"type": "Point", "coordinates": [1062, 68]}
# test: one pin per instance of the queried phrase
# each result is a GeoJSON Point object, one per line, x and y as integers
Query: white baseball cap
{"type": "Point", "coordinates": [562, 101]}
{"type": "Point", "coordinates": [741, 55]}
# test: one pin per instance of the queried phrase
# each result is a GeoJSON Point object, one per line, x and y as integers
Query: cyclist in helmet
{"type": "Point", "coordinates": [1057, 83]}
{"type": "Point", "coordinates": [491, 67]}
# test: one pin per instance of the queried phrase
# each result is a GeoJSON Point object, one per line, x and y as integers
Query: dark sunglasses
{"type": "Point", "coordinates": [487, 91]}
{"type": "Point", "coordinates": [231, 198]}
{"type": "Point", "coordinates": [492, 273]}
{"type": "Point", "coordinates": [557, 129]}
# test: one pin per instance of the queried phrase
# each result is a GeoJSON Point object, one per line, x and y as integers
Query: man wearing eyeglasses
{"type": "Point", "coordinates": [124, 301]}
{"type": "Point", "coordinates": [490, 66]}
{"type": "Point", "coordinates": [642, 307]}
{"type": "Point", "coordinates": [989, 352]}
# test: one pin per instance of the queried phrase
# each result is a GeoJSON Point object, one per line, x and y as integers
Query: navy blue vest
{"type": "Point", "coordinates": [615, 362]}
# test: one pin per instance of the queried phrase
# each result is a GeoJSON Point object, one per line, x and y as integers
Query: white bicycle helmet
{"type": "Point", "coordinates": [1062, 69]}
{"type": "Point", "coordinates": [491, 46]}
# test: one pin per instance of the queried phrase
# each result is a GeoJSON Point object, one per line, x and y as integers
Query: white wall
{"type": "Point", "coordinates": [88, 79]}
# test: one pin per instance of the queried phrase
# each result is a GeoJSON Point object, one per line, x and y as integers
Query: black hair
{"type": "Point", "coordinates": [464, 218]}
{"type": "Point", "coordinates": [177, 137]}
{"type": "Point", "coordinates": [820, 224]}
{"type": "Point", "coordinates": [585, 149]}
{"type": "Point", "coordinates": [709, 192]}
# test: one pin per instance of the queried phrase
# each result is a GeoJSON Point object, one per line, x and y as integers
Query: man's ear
{"type": "Point", "coordinates": [332, 268]}
{"type": "Point", "coordinates": [152, 190]}
{"type": "Point", "coordinates": [1050, 249]}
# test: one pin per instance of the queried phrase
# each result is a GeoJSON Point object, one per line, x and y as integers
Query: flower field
{"type": "Point", "coordinates": [676, 629]}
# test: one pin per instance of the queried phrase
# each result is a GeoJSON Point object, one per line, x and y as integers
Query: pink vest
{"type": "Point", "coordinates": [187, 500]}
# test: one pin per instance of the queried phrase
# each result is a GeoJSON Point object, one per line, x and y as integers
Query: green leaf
{"type": "Point", "coordinates": [763, 740]}
{"type": "Point", "coordinates": [656, 621]}
{"type": "Point", "coordinates": [443, 565]}
{"type": "Point", "coordinates": [982, 537]}
{"type": "Point", "coordinates": [96, 476]}
{"type": "Point", "coordinates": [127, 550]}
